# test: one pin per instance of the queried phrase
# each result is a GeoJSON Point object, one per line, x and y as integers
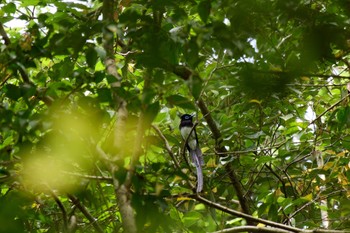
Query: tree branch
{"type": "Point", "coordinates": [221, 149]}
{"type": "Point", "coordinates": [21, 68]}
{"type": "Point", "coordinates": [286, 228]}
{"type": "Point", "coordinates": [90, 177]}
{"type": "Point", "coordinates": [86, 213]}
{"type": "Point", "coordinates": [4, 35]}
{"type": "Point", "coordinates": [121, 190]}
{"type": "Point", "coordinates": [140, 130]}
{"type": "Point", "coordinates": [300, 74]}
{"type": "Point", "coordinates": [252, 229]}
{"type": "Point", "coordinates": [185, 73]}
{"type": "Point", "coordinates": [63, 210]}
{"type": "Point", "coordinates": [330, 108]}
{"type": "Point", "coordinates": [167, 146]}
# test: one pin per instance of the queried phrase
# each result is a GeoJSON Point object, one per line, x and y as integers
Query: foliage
{"type": "Point", "coordinates": [272, 75]}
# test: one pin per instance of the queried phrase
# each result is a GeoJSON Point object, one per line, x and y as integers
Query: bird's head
{"type": "Point", "coordinates": [186, 117]}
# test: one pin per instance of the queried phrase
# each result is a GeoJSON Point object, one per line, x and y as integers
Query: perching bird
{"type": "Point", "coordinates": [192, 146]}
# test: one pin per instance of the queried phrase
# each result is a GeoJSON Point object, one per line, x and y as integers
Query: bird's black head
{"type": "Point", "coordinates": [186, 117]}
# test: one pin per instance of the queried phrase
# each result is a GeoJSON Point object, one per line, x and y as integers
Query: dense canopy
{"type": "Point", "coordinates": [91, 93]}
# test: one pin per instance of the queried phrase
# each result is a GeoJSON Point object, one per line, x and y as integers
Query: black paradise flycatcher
{"type": "Point", "coordinates": [192, 146]}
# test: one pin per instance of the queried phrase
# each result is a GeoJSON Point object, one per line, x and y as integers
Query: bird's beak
{"type": "Point", "coordinates": [193, 114]}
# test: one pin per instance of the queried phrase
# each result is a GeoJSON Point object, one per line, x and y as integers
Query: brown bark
{"type": "Point", "coordinates": [122, 191]}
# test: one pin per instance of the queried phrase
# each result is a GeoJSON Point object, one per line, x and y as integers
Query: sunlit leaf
{"type": "Point", "coordinates": [9, 8]}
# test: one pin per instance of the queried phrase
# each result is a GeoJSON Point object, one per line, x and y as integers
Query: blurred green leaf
{"type": "Point", "coordinates": [204, 8]}
{"type": "Point", "coordinates": [91, 57]}
{"type": "Point", "coordinates": [151, 112]}
{"type": "Point", "coordinates": [264, 159]}
{"type": "Point", "coordinates": [9, 8]}
{"type": "Point", "coordinates": [30, 3]}
{"type": "Point", "coordinates": [104, 95]}
{"type": "Point", "coordinates": [180, 101]}
{"type": "Point", "coordinates": [195, 85]}
{"type": "Point", "coordinates": [13, 92]}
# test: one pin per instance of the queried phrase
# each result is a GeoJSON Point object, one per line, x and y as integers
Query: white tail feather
{"type": "Point", "coordinates": [198, 161]}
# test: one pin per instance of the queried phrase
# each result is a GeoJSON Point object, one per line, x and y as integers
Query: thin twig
{"type": "Point", "coordinates": [90, 177]}
{"type": "Point", "coordinates": [5, 80]}
{"type": "Point", "coordinates": [328, 109]}
{"type": "Point", "coordinates": [167, 146]}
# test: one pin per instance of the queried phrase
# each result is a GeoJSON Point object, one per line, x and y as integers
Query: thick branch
{"type": "Point", "coordinates": [4, 35]}
{"type": "Point", "coordinates": [231, 173]}
{"type": "Point", "coordinates": [121, 190]}
{"type": "Point", "coordinates": [211, 123]}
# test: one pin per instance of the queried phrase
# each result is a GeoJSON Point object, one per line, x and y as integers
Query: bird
{"type": "Point", "coordinates": [188, 132]}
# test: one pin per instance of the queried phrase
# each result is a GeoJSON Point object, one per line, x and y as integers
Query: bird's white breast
{"type": "Point", "coordinates": [192, 139]}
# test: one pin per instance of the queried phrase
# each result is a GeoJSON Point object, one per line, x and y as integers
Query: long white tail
{"type": "Point", "coordinates": [198, 161]}
{"type": "Point", "coordinates": [199, 179]}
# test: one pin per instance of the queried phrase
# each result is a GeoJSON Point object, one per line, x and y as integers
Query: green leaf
{"type": "Point", "coordinates": [204, 8]}
{"type": "Point", "coordinates": [120, 174]}
{"type": "Point", "coordinates": [273, 212]}
{"type": "Point", "coordinates": [151, 112]}
{"type": "Point", "coordinates": [101, 52]}
{"type": "Point", "coordinates": [191, 52]}
{"type": "Point", "coordinates": [13, 92]}
{"type": "Point", "coordinates": [9, 8]}
{"type": "Point", "coordinates": [195, 85]}
{"type": "Point", "coordinates": [27, 90]}
{"type": "Point", "coordinates": [264, 159]}
{"type": "Point", "coordinates": [91, 57]}
{"type": "Point", "coordinates": [247, 160]}
{"type": "Point", "coordinates": [307, 197]}
{"type": "Point", "coordinates": [6, 19]}
{"type": "Point", "coordinates": [256, 135]}
{"type": "Point", "coordinates": [104, 95]}
{"type": "Point", "coordinates": [6, 142]}
{"type": "Point", "coordinates": [99, 76]}
{"type": "Point", "coordinates": [158, 77]}
{"type": "Point", "coordinates": [180, 101]}
{"type": "Point", "coordinates": [30, 3]}
{"type": "Point", "coordinates": [287, 117]}
{"type": "Point", "coordinates": [191, 218]}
